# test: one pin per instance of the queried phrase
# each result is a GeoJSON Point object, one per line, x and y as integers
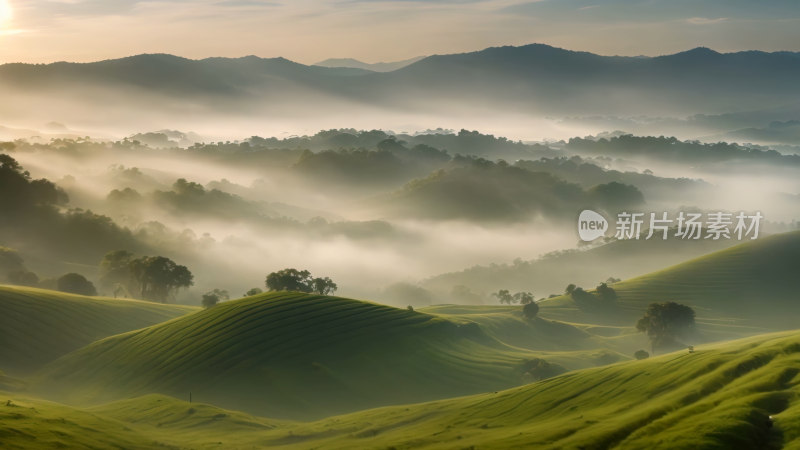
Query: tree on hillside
{"type": "Point", "coordinates": [570, 289]}
{"type": "Point", "coordinates": [607, 294]}
{"type": "Point", "coordinates": [12, 269]}
{"type": "Point", "coordinates": [23, 278]}
{"type": "Point", "coordinates": [323, 286]}
{"type": "Point", "coordinates": [581, 297]}
{"type": "Point", "coordinates": [75, 283]}
{"type": "Point", "coordinates": [252, 292]}
{"type": "Point", "coordinates": [524, 297]}
{"type": "Point", "coordinates": [641, 354]}
{"type": "Point", "coordinates": [299, 281]}
{"type": "Point", "coordinates": [504, 296]}
{"type": "Point", "coordinates": [530, 310]}
{"type": "Point", "coordinates": [290, 280]}
{"type": "Point", "coordinates": [158, 277]}
{"type": "Point", "coordinates": [665, 323]}
{"type": "Point", "coordinates": [115, 272]}
{"type": "Point", "coordinates": [213, 297]}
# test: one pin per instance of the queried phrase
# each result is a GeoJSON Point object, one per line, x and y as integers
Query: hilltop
{"type": "Point", "coordinates": [293, 355]}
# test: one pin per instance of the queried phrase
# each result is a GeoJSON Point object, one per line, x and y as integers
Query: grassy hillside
{"type": "Point", "coordinates": [741, 291]}
{"type": "Point", "coordinates": [718, 397]}
{"type": "Point", "coordinates": [599, 343]}
{"type": "Point", "coordinates": [740, 394]}
{"type": "Point", "coordinates": [751, 286]}
{"type": "Point", "coordinates": [293, 355]}
{"type": "Point", "coordinates": [37, 326]}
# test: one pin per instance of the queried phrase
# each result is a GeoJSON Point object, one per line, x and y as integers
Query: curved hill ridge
{"type": "Point", "coordinates": [292, 355]}
{"type": "Point", "coordinates": [752, 284]}
{"type": "Point", "coordinates": [37, 326]}
{"type": "Point", "coordinates": [740, 394]}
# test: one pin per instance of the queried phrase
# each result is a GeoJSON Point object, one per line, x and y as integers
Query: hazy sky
{"type": "Point", "coordinates": [377, 30]}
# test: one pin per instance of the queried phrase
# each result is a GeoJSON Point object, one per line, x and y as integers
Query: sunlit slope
{"type": "Point", "coordinates": [720, 396]}
{"type": "Point", "coordinates": [29, 423]}
{"type": "Point", "coordinates": [37, 326]}
{"type": "Point", "coordinates": [291, 355]}
{"type": "Point", "coordinates": [754, 284]}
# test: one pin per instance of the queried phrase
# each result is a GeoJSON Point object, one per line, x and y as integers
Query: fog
{"type": "Point", "coordinates": [233, 214]}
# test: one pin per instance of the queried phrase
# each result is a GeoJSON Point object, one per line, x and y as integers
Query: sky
{"type": "Point", "coordinates": [308, 31]}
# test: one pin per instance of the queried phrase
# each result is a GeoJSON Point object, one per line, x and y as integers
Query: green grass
{"type": "Point", "coordinates": [718, 397]}
{"type": "Point", "coordinates": [292, 355]}
{"type": "Point", "coordinates": [38, 326]}
{"type": "Point", "coordinates": [745, 289]}
{"type": "Point", "coordinates": [721, 396]}
{"type": "Point", "coordinates": [574, 346]}
{"type": "Point", "coordinates": [742, 291]}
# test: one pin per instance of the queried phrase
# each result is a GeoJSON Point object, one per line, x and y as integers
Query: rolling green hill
{"type": "Point", "coordinates": [294, 355]}
{"type": "Point", "coordinates": [721, 396]}
{"type": "Point", "coordinates": [37, 326]}
{"type": "Point", "coordinates": [740, 394]}
{"type": "Point", "coordinates": [751, 286]}
{"type": "Point", "coordinates": [742, 291]}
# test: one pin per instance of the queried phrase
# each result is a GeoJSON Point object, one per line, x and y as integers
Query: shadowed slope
{"type": "Point", "coordinates": [292, 355]}
{"type": "Point", "coordinates": [37, 326]}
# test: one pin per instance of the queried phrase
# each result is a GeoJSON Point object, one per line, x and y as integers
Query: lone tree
{"type": "Point", "coordinates": [641, 354]}
{"type": "Point", "coordinates": [570, 289]}
{"type": "Point", "coordinates": [607, 294]}
{"type": "Point", "coordinates": [75, 283]}
{"type": "Point", "coordinates": [253, 291]}
{"type": "Point", "coordinates": [530, 310]}
{"type": "Point", "coordinates": [665, 323]}
{"type": "Point", "coordinates": [213, 297]}
{"type": "Point", "coordinates": [300, 281]}
{"type": "Point", "coordinates": [158, 277]}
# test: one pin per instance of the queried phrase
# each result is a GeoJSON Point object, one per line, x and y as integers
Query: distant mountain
{"type": "Point", "coordinates": [374, 67]}
{"type": "Point", "coordinates": [531, 79]}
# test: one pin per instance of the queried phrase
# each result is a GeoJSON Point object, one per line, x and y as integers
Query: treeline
{"type": "Point", "coordinates": [674, 150]}
{"type": "Point", "coordinates": [37, 216]}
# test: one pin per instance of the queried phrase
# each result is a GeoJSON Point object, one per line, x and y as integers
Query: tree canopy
{"type": "Point", "coordinates": [75, 283]}
{"type": "Point", "coordinates": [158, 277]}
{"type": "Point", "coordinates": [665, 323]}
{"type": "Point", "coordinates": [300, 281]}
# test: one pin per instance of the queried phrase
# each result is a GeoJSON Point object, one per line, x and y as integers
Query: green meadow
{"type": "Point", "coordinates": [294, 370]}
{"type": "Point", "coordinates": [739, 394]}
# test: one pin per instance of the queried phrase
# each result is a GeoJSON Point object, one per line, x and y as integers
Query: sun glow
{"type": "Point", "coordinates": [5, 12]}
